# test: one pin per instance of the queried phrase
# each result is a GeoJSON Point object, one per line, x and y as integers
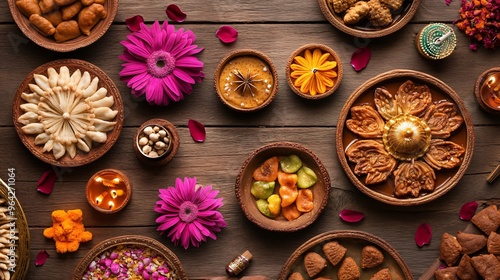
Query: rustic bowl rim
{"type": "Point", "coordinates": [81, 41]}
{"type": "Point", "coordinates": [136, 240]}
{"type": "Point", "coordinates": [244, 52]}
{"type": "Point", "coordinates": [94, 153]}
{"type": "Point", "coordinates": [284, 226]}
{"type": "Point", "coordinates": [174, 142]}
{"type": "Point", "coordinates": [477, 90]}
{"type": "Point", "coordinates": [337, 22]}
{"type": "Point", "coordinates": [395, 74]}
{"type": "Point", "coordinates": [311, 46]}
{"type": "Point", "coordinates": [128, 187]}
{"type": "Point", "coordinates": [336, 234]}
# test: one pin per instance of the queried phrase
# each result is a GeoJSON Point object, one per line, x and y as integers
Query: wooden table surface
{"type": "Point", "coordinates": [276, 28]}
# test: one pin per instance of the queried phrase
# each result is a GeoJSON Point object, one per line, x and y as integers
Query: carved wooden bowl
{"type": "Point", "coordinates": [173, 146]}
{"type": "Point", "coordinates": [226, 68]}
{"type": "Point", "coordinates": [244, 181]}
{"type": "Point", "coordinates": [132, 241]}
{"type": "Point", "coordinates": [353, 241]}
{"type": "Point", "coordinates": [483, 90]}
{"type": "Point", "coordinates": [333, 57]}
{"type": "Point", "coordinates": [460, 138]}
{"type": "Point", "coordinates": [98, 149]}
{"type": "Point", "coordinates": [111, 7]}
{"type": "Point", "coordinates": [364, 29]}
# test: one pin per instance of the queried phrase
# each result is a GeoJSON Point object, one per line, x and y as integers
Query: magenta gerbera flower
{"type": "Point", "coordinates": [189, 212]}
{"type": "Point", "coordinates": [161, 63]}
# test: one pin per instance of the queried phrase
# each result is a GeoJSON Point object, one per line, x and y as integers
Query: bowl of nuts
{"type": "Point", "coordinates": [63, 25]}
{"type": "Point", "coordinates": [156, 142]}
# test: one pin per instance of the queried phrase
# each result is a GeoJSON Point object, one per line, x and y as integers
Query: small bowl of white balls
{"type": "Point", "coordinates": [156, 142]}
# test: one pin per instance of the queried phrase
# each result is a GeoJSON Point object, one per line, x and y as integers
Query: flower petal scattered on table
{"type": "Point", "coordinates": [360, 58]}
{"type": "Point", "coordinates": [197, 130]}
{"type": "Point", "coordinates": [174, 13]}
{"type": "Point", "coordinates": [41, 257]}
{"type": "Point", "coordinates": [133, 23]}
{"type": "Point", "coordinates": [47, 181]}
{"type": "Point", "coordinates": [351, 216]}
{"type": "Point", "coordinates": [468, 210]}
{"type": "Point", "coordinates": [227, 34]}
{"type": "Point", "coordinates": [423, 234]}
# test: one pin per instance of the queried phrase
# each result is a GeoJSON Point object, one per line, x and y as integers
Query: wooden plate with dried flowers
{"type": "Point", "coordinates": [396, 15]}
{"type": "Point", "coordinates": [404, 138]}
{"type": "Point", "coordinates": [68, 112]}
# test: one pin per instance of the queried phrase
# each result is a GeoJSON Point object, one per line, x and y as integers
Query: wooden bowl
{"type": "Point", "coordinates": [364, 29]}
{"type": "Point", "coordinates": [353, 241]}
{"type": "Point", "coordinates": [173, 146]}
{"type": "Point", "coordinates": [99, 189]}
{"type": "Point", "coordinates": [132, 241]}
{"type": "Point", "coordinates": [244, 181]}
{"type": "Point", "coordinates": [300, 52]}
{"type": "Point", "coordinates": [232, 62]}
{"type": "Point", "coordinates": [22, 245]}
{"type": "Point", "coordinates": [81, 41]}
{"type": "Point", "coordinates": [446, 179]}
{"type": "Point", "coordinates": [97, 150]}
{"type": "Point", "coordinates": [483, 94]}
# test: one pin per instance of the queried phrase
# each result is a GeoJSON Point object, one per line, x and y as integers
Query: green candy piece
{"type": "Point", "coordinates": [290, 164]}
{"type": "Point", "coordinates": [306, 177]}
{"type": "Point", "coordinates": [262, 205]}
{"type": "Point", "coordinates": [261, 189]}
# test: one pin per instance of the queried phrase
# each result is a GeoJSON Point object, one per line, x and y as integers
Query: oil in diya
{"type": "Point", "coordinates": [108, 191]}
{"type": "Point", "coordinates": [246, 82]}
{"type": "Point", "coordinates": [490, 90]}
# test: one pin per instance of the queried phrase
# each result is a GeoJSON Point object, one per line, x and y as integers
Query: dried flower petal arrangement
{"type": "Point", "coordinates": [160, 63]}
{"type": "Point", "coordinates": [189, 212]}
{"type": "Point", "coordinates": [480, 20]}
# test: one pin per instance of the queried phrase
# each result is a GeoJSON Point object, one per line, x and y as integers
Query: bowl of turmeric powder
{"type": "Point", "coordinates": [283, 187]}
{"type": "Point", "coordinates": [63, 25]}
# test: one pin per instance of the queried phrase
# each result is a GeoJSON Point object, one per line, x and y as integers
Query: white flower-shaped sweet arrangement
{"type": "Point", "coordinates": [407, 136]}
{"type": "Point", "coordinates": [67, 111]}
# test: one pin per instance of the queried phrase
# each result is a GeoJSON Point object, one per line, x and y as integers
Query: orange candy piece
{"type": "Point", "coordinates": [291, 212]}
{"type": "Point", "coordinates": [288, 195]}
{"type": "Point", "coordinates": [287, 179]}
{"type": "Point", "coordinates": [268, 171]}
{"type": "Point", "coordinates": [304, 200]}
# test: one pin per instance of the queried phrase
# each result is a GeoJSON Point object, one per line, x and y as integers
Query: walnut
{"type": "Point", "coordinates": [471, 242]}
{"type": "Point", "coordinates": [356, 13]}
{"type": "Point", "coordinates": [450, 249]}
{"type": "Point", "coordinates": [379, 14]}
{"type": "Point", "coordinates": [488, 219]}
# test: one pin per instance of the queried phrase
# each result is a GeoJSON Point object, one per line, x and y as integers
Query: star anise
{"type": "Point", "coordinates": [246, 82]}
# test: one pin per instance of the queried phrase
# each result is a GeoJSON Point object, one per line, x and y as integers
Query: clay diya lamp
{"type": "Point", "coordinates": [336, 71]}
{"type": "Point", "coordinates": [108, 191]}
{"type": "Point", "coordinates": [436, 41]}
{"type": "Point", "coordinates": [156, 142]}
{"type": "Point", "coordinates": [487, 90]}
{"type": "Point", "coordinates": [246, 80]}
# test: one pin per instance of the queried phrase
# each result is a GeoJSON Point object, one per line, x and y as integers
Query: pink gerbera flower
{"type": "Point", "coordinates": [161, 63]}
{"type": "Point", "coordinates": [189, 212]}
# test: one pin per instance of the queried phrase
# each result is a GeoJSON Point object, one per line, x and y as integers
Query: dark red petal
{"type": "Point", "coordinates": [47, 181]}
{"type": "Point", "coordinates": [41, 257]}
{"type": "Point", "coordinates": [134, 22]}
{"type": "Point", "coordinates": [351, 216]}
{"type": "Point", "coordinates": [197, 130]}
{"type": "Point", "coordinates": [468, 210]}
{"type": "Point", "coordinates": [423, 234]}
{"type": "Point", "coordinates": [360, 58]}
{"type": "Point", "coordinates": [227, 34]}
{"type": "Point", "coordinates": [174, 13]}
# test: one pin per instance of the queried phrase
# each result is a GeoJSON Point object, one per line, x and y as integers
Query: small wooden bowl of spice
{"type": "Point", "coordinates": [156, 142]}
{"type": "Point", "coordinates": [302, 75]}
{"type": "Point", "coordinates": [246, 80]}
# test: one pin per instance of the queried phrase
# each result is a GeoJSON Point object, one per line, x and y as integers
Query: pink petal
{"type": "Point", "coordinates": [360, 58]}
{"type": "Point", "coordinates": [423, 234]}
{"type": "Point", "coordinates": [41, 257]}
{"type": "Point", "coordinates": [134, 22]}
{"type": "Point", "coordinates": [197, 130]}
{"type": "Point", "coordinates": [174, 13]}
{"type": "Point", "coordinates": [351, 216]}
{"type": "Point", "coordinates": [227, 34]}
{"type": "Point", "coordinates": [47, 181]}
{"type": "Point", "coordinates": [468, 210]}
